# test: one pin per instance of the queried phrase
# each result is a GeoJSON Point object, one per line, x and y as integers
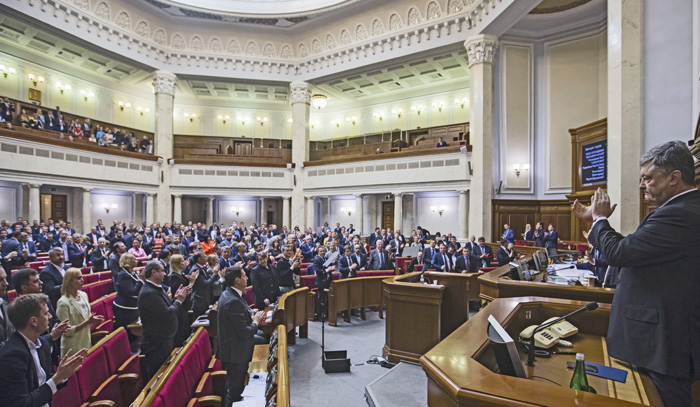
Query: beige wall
{"type": "Point", "coordinates": [576, 92]}
{"type": "Point", "coordinates": [516, 120]}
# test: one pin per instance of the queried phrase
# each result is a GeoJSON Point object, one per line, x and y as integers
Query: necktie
{"type": "Point", "coordinates": [466, 262]}
{"type": "Point", "coordinates": [447, 264]}
{"type": "Point", "coordinates": [381, 263]}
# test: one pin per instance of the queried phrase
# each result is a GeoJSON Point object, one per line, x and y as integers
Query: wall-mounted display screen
{"type": "Point", "coordinates": [594, 158]}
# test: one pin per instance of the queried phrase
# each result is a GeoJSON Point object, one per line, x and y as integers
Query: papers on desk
{"type": "Point", "coordinates": [575, 273]}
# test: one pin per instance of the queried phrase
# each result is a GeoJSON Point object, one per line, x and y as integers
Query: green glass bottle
{"type": "Point", "coordinates": [579, 381]}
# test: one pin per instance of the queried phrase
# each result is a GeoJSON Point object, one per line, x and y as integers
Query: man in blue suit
{"type": "Point", "coordinates": [428, 254]}
{"type": "Point", "coordinates": [346, 266]}
{"type": "Point", "coordinates": [12, 244]}
{"type": "Point", "coordinates": [29, 246]}
{"type": "Point", "coordinates": [372, 239]}
{"type": "Point", "coordinates": [551, 238]}
{"type": "Point", "coordinates": [225, 261]}
{"type": "Point", "coordinates": [441, 261]}
{"type": "Point", "coordinates": [76, 257]}
{"type": "Point", "coordinates": [308, 249]}
{"type": "Point", "coordinates": [508, 234]}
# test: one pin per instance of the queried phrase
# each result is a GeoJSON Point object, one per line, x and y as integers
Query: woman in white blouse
{"type": "Point", "coordinates": [74, 307]}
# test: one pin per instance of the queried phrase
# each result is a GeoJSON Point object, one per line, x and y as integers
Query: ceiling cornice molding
{"type": "Point", "coordinates": [114, 33]}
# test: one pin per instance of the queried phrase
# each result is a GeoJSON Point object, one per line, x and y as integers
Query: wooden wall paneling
{"type": "Point", "coordinates": [519, 212]}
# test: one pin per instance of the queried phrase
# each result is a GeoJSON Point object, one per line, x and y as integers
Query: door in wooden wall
{"type": "Point", "coordinates": [388, 215]}
{"type": "Point", "coordinates": [58, 207]}
{"type": "Point", "coordinates": [243, 148]}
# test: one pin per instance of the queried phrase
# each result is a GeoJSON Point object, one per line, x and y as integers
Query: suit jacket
{"type": "Point", "coordinates": [654, 321]}
{"type": "Point", "coordinates": [158, 313]}
{"type": "Point", "coordinates": [52, 280]}
{"type": "Point", "coordinates": [414, 262]}
{"type": "Point", "coordinates": [113, 265]}
{"type": "Point", "coordinates": [128, 289]}
{"type": "Point", "coordinates": [6, 328]}
{"type": "Point", "coordinates": [307, 253]}
{"type": "Point", "coordinates": [13, 245]}
{"type": "Point", "coordinates": [224, 264]}
{"type": "Point", "coordinates": [552, 239]}
{"type": "Point", "coordinates": [323, 276]}
{"type": "Point", "coordinates": [68, 309]}
{"type": "Point", "coordinates": [510, 236]}
{"type": "Point", "coordinates": [18, 376]}
{"type": "Point", "coordinates": [438, 262]}
{"type": "Point", "coordinates": [488, 252]}
{"type": "Point", "coordinates": [285, 273]}
{"type": "Point", "coordinates": [344, 264]}
{"type": "Point", "coordinates": [93, 238]}
{"type": "Point", "coordinates": [375, 260]}
{"type": "Point", "coordinates": [539, 237]}
{"type": "Point", "coordinates": [428, 254]}
{"type": "Point", "coordinates": [503, 256]}
{"type": "Point", "coordinates": [474, 248]}
{"type": "Point", "coordinates": [361, 261]}
{"type": "Point", "coordinates": [76, 257]}
{"type": "Point", "coordinates": [372, 239]}
{"type": "Point", "coordinates": [236, 329]}
{"type": "Point", "coordinates": [265, 285]}
{"type": "Point", "coordinates": [396, 246]}
{"type": "Point", "coordinates": [203, 290]}
{"type": "Point", "coordinates": [100, 262]}
{"type": "Point", "coordinates": [461, 264]}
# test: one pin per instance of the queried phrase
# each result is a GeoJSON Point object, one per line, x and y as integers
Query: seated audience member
{"type": "Point", "coordinates": [129, 284]}
{"type": "Point", "coordinates": [264, 282]}
{"type": "Point", "coordinates": [416, 261]}
{"type": "Point", "coordinates": [133, 146]}
{"type": "Point", "coordinates": [379, 258]}
{"type": "Point", "coordinates": [379, 151]}
{"type": "Point", "coordinates": [74, 307]}
{"type": "Point", "coordinates": [178, 280]}
{"type": "Point", "coordinates": [466, 263]}
{"type": "Point", "coordinates": [159, 316]}
{"type": "Point", "coordinates": [27, 377]}
{"type": "Point", "coordinates": [143, 145]}
{"type": "Point", "coordinates": [441, 142]}
{"type": "Point", "coordinates": [24, 119]}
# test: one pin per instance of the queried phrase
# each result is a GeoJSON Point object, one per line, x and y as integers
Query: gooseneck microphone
{"type": "Point", "coordinates": [591, 306]}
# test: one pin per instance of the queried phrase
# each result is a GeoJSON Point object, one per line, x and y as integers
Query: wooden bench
{"type": "Point", "coordinates": [350, 293]}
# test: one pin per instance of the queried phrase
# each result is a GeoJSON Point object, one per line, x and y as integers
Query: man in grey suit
{"type": "Point", "coordinates": [238, 328]}
{"type": "Point", "coordinates": [6, 328]}
{"type": "Point", "coordinates": [379, 258]}
{"type": "Point", "coordinates": [654, 320]}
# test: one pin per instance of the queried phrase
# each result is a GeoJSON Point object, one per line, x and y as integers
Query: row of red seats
{"type": "Point", "coordinates": [103, 306]}
{"type": "Point", "coordinates": [110, 376]}
{"type": "Point", "coordinates": [95, 286]}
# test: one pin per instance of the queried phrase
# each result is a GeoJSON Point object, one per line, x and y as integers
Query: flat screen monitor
{"type": "Point", "coordinates": [523, 265]}
{"type": "Point", "coordinates": [540, 258]}
{"type": "Point", "coordinates": [504, 350]}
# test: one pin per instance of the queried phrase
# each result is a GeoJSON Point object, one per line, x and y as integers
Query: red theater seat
{"type": "Point", "coordinates": [249, 295]}
{"type": "Point", "coordinates": [36, 265]}
{"type": "Point", "coordinates": [93, 373]}
{"type": "Point", "coordinates": [521, 242]}
{"type": "Point", "coordinates": [67, 396]}
{"type": "Point", "coordinates": [110, 390]}
{"type": "Point", "coordinates": [86, 270]}
{"type": "Point", "coordinates": [174, 392]}
{"type": "Point", "coordinates": [90, 278]}
{"type": "Point", "coordinates": [11, 295]}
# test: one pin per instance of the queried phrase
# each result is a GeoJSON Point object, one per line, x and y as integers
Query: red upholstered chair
{"type": "Point", "coordinates": [11, 295]}
{"type": "Point", "coordinates": [110, 390]}
{"type": "Point", "coordinates": [402, 264]}
{"type": "Point", "coordinates": [36, 265]}
{"type": "Point", "coordinates": [67, 396]}
{"type": "Point", "coordinates": [487, 269]}
{"type": "Point", "coordinates": [93, 373]}
{"type": "Point", "coordinates": [581, 247]}
{"type": "Point", "coordinates": [105, 275]}
{"type": "Point", "coordinates": [174, 392]}
{"type": "Point", "coordinates": [90, 278]}
{"type": "Point", "coordinates": [192, 403]}
{"type": "Point", "coordinates": [86, 270]}
{"type": "Point", "coordinates": [100, 289]}
{"type": "Point", "coordinates": [418, 267]}
{"type": "Point", "coordinates": [308, 281]}
{"type": "Point", "coordinates": [87, 289]}
{"type": "Point", "coordinates": [129, 368]}
{"type": "Point", "coordinates": [521, 242]}
{"type": "Point", "coordinates": [249, 295]}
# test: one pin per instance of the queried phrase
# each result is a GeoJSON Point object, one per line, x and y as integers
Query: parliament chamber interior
{"type": "Point", "coordinates": [403, 198]}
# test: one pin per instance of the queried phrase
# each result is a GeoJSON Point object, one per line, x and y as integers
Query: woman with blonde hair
{"type": "Point", "coordinates": [74, 307]}
{"type": "Point", "coordinates": [528, 235]}
{"type": "Point", "coordinates": [177, 280]}
{"type": "Point", "coordinates": [129, 283]}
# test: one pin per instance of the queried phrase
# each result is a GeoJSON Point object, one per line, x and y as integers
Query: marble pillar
{"type": "Point", "coordinates": [398, 211]}
{"type": "Point", "coordinates": [285, 213]}
{"type": "Point", "coordinates": [371, 221]}
{"type": "Point", "coordinates": [164, 86]}
{"type": "Point", "coordinates": [263, 211]}
{"type": "Point", "coordinates": [625, 110]}
{"type": "Point", "coordinates": [462, 217]}
{"type": "Point", "coordinates": [301, 100]}
{"type": "Point", "coordinates": [210, 210]}
{"type": "Point", "coordinates": [177, 209]}
{"type": "Point", "coordinates": [34, 203]}
{"type": "Point", "coordinates": [481, 50]}
{"type": "Point", "coordinates": [359, 214]}
{"type": "Point", "coordinates": [310, 215]}
{"type": "Point", "coordinates": [409, 222]}
{"type": "Point", "coordinates": [150, 218]}
{"type": "Point", "coordinates": [87, 211]}
{"type": "Point", "coordinates": [138, 209]}
{"type": "Point", "coordinates": [325, 211]}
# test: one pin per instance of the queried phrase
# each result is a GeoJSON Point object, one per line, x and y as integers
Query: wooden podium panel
{"type": "Point", "coordinates": [357, 292]}
{"type": "Point", "coordinates": [462, 369]}
{"type": "Point", "coordinates": [498, 284]}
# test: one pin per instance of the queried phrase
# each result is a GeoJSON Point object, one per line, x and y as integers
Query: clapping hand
{"type": "Point", "coordinates": [95, 319]}
{"type": "Point", "coordinates": [69, 365]}
{"type": "Point", "coordinates": [183, 292]}
{"type": "Point", "coordinates": [259, 317]}
{"type": "Point", "coordinates": [193, 276]}
{"type": "Point", "coordinates": [60, 329]}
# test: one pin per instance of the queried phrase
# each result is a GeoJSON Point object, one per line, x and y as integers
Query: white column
{"type": "Point", "coordinates": [625, 110]}
{"type": "Point", "coordinates": [371, 221]}
{"type": "Point", "coordinates": [150, 216]}
{"type": "Point", "coordinates": [310, 215]}
{"type": "Point", "coordinates": [463, 213]}
{"type": "Point", "coordinates": [359, 212]}
{"type": "Point", "coordinates": [87, 211]}
{"type": "Point", "coordinates": [210, 210]}
{"type": "Point", "coordinates": [301, 100]}
{"type": "Point", "coordinates": [398, 211]}
{"type": "Point", "coordinates": [177, 209]}
{"type": "Point", "coordinates": [285, 213]}
{"type": "Point", "coordinates": [409, 222]}
{"type": "Point", "coordinates": [480, 52]}
{"type": "Point", "coordinates": [263, 211]}
{"type": "Point", "coordinates": [164, 86]}
{"type": "Point", "coordinates": [34, 203]}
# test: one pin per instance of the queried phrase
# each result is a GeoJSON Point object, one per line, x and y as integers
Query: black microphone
{"type": "Point", "coordinates": [591, 306]}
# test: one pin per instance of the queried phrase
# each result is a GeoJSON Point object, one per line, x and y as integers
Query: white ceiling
{"type": "Point", "coordinates": [261, 7]}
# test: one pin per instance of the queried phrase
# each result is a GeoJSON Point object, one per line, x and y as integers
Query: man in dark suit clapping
{"type": "Point", "coordinates": [238, 328]}
{"type": "Point", "coordinates": [359, 258]}
{"type": "Point", "coordinates": [466, 263]}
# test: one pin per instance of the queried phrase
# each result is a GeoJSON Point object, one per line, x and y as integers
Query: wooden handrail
{"type": "Point", "coordinates": [283, 388]}
{"type": "Point", "coordinates": [230, 162]}
{"type": "Point", "coordinates": [386, 156]}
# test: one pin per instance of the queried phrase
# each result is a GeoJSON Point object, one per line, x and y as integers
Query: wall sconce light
{"type": "Point", "coordinates": [290, 120]}
{"type": "Point", "coordinates": [223, 118]}
{"type": "Point", "coordinates": [319, 101]}
{"type": "Point", "coordinates": [438, 106]}
{"type": "Point", "coordinates": [242, 120]}
{"type": "Point", "coordinates": [142, 110]}
{"type": "Point", "coordinates": [336, 122]}
{"type": "Point", "coordinates": [379, 115]}
{"type": "Point", "coordinates": [35, 79]}
{"type": "Point", "coordinates": [397, 112]}
{"type": "Point", "coordinates": [5, 71]}
{"type": "Point", "coordinates": [87, 94]}
{"type": "Point", "coordinates": [314, 123]}
{"type": "Point", "coordinates": [123, 105]}
{"type": "Point", "coordinates": [417, 109]}
{"type": "Point", "coordinates": [237, 211]}
{"type": "Point", "coordinates": [461, 102]}
{"type": "Point", "coordinates": [191, 116]}
{"type": "Point", "coordinates": [261, 120]}
{"type": "Point", "coordinates": [516, 167]}
{"type": "Point", "coordinates": [106, 207]}
{"type": "Point", "coordinates": [351, 119]}
{"type": "Point", "coordinates": [348, 210]}
{"type": "Point", "coordinates": [439, 210]}
{"type": "Point", "coordinates": [62, 87]}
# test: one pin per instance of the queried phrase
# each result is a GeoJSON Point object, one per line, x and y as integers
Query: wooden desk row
{"type": "Point", "coordinates": [350, 293]}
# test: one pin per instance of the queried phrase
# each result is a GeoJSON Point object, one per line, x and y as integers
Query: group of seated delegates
{"type": "Point", "coordinates": [75, 129]}
{"type": "Point", "coordinates": [541, 237]}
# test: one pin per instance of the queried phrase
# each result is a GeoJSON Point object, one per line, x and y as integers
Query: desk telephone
{"type": "Point", "coordinates": [552, 335]}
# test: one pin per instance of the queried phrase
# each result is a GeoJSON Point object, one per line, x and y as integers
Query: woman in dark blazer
{"type": "Point", "coordinates": [129, 283]}
{"type": "Point", "coordinates": [177, 280]}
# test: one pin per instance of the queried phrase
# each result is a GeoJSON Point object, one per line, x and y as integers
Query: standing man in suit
{"type": "Point", "coordinates": [466, 263]}
{"type": "Point", "coordinates": [379, 258]}
{"type": "Point", "coordinates": [264, 281]}
{"type": "Point", "coordinates": [238, 328]}
{"type": "Point", "coordinates": [12, 244]}
{"type": "Point", "coordinates": [203, 287]}
{"type": "Point", "coordinates": [474, 248]}
{"type": "Point", "coordinates": [346, 266]}
{"type": "Point", "coordinates": [429, 254]}
{"type": "Point", "coordinates": [372, 239]}
{"type": "Point", "coordinates": [158, 316]}
{"type": "Point", "coordinates": [308, 249]}
{"type": "Point", "coordinates": [6, 328]}
{"type": "Point", "coordinates": [551, 238]}
{"type": "Point", "coordinates": [654, 322]}
{"type": "Point", "coordinates": [286, 268]}
{"type": "Point", "coordinates": [119, 248]}
{"type": "Point", "coordinates": [100, 256]}
{"type": "Point", "coordinates": [486, 252]}
{"type": "Point", "coordinates": [539, 234]}
{"type": "Point", "coordinates": [52, 275]}
{"type": "Point", "coordinates": [76, 257]}
{"type": "Point", "coordinates": [29, 247]}
{"type": "Point", "coordinates": [508, 234]}
{"type": "Point", "coordinates": [397, 244]}
{"type": "Point", "coordinates": [27, 377]}
{"type": "Point", "coordinates": [359, 257]}
{"type": "Point", "coordinates": [441, 261]}
{"type": "Point", "coordinates": [324, 276]}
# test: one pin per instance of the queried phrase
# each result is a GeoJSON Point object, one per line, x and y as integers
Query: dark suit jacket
{"type": "Point", "coordinates": [113, 265]}
{"type": "Point", "coordinates": [539, 237]}
{"type": "Point", "coordinates": [75, 255]}
{"type": "Point", "coordinates": [6, 328]}
{"type": "Point", "coordinates": [18, 376]}
{"type": "Point", "coordinates": [203, 290]}
{"type": "Point", "coordinates": [13, 245]}
{"type": "Point", "coordinates": [344, 264]}
{"type": "Point", "coordinates": [375, 261]}
{"type": "Point", "coordinates": [265, 285]}
{"type": "Point", "coordinates": [285, 273]}
{"type": "Point", "coordinates": [393, 246]}
{"type": "Point", "coordinates": [98, 260]}
{"type": "Point", "coordinates": [52, 280]}
{"type": "Point", "coordinates": [323, 276]}
{"type": "Point", "coordinates": [414, 262]}
{"type": "Point", "coordinates": [128, 289]}
{"type": "Point", "coordinates": [361, 261]}
{"type": "Point", "coordinates": [488, 251]}
{"type": "Point", "coordinates": [461, 264]}
{"type": "Point", "coordinates": [224, 264]}
{"type": "Point", "coordinates": [503, 256]}
{"type": "Point", "coordinates": [551, 240]}
{"type": "Point", "coordinates": [158, 313]}
{"type": "Point", "coordinates": [428, 254]}
{"type": "Point", "coordinates": [654, 322]}
{"type": "Point", "coordinates": [438, 262]}
{"type": "Point", "coordinates": [236, 329]}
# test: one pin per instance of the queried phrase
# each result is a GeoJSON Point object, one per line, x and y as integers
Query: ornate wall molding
{"type": "Point", "coordinates": [301, 92]}
{"type": "Point", "coordinates": [164, 82]}
{"type": "Point", "coordinates": [481, 49]}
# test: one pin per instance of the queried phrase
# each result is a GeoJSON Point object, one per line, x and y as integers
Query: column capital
{"type": "Point", "coordinates": [177, 196]}
{"type": "Point", "coordinates": [359, 196]}
{"type": "Point", "coordinates": [151, 194]}
{"type": "Point", "coordinates": [34, 185]}
{"type": "Point", "coordinates": [398, 194]}
{"type": "Point", "coordinates": [210, 198]}
{"type": "Point", "coordinates": [164, 82]}
{"type": "Point", "coordinates": [463, 192]}
{"type": "Point", "coordinates": [88, 190]}
{"type": "Point", "coordinates": [301, 92]}
{"type": "Point", "coordinates": [286, 198]}
{"type": "Point", "coordinates": [481, 48]}
{"type": "Point", "coordinates": [311, 198]}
